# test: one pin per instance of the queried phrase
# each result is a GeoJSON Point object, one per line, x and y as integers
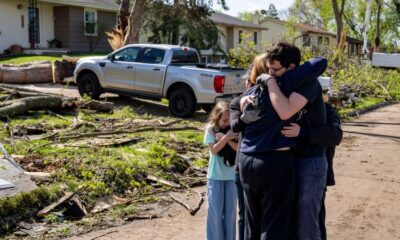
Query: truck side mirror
{"type": "Point", "coordinates": [111, 57]}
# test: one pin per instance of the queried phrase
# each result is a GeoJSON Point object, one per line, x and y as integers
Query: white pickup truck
{"type": "Point", "coordinates": [159, 71]}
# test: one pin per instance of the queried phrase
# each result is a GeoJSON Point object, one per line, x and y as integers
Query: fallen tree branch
{"type": "Point", "coordinates": [163, 181]}
{"type": "Point", "coordinates": [82, 135]}
{"type": "Point", "coordinates": [194, 210]}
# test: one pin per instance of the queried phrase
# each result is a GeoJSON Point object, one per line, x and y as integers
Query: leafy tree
{"type": "Point", "coordinates": [190, 25]}
{"type": "Point", "coordinates": [272, 12]}
{"type": "Point", "coordinates": [252, 17]}
{"type": "Point", "coordinates": [167, 20]}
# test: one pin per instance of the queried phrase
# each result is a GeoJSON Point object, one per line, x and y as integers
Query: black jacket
{"type": "Point", "coordinates": [329, 135]}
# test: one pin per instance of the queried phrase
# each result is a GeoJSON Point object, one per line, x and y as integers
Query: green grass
{"type": "Point", "coordinates": [364, 103]}
{"type": "Point", "coordinates": [20, 59]}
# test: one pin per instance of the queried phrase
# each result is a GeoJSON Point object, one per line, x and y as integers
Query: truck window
{"type": "Point", "coordinates": [127, 54]}
{"type": "Point", "coordinates": [180, 56]}
{"type": "Point", "coordinates": [152, 55]}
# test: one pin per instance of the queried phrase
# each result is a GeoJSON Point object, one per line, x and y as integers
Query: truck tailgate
{"type": "Point", "coordinates": [234, 82]}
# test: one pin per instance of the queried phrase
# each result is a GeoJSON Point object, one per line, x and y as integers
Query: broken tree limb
{"type": "Point", "coordinates": [199, 203]}
{"type": "Point", "coordinates": [20, 106]}
{"type": "Point", "coordinates": [163, 181]}
{"type": "Point", "coordinates": [100, 106]}
{"type": "Point", "coordinates": [46, 210]}
{"type": "Point", "coordinates": [194, 210]}
{"type": "Point", "coordinates": [82, 135]}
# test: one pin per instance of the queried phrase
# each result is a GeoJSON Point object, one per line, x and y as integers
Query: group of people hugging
{"type": "Point", "coordinates": [271, 152]}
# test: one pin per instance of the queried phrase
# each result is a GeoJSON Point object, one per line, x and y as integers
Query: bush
{"type": "Point", "coordinates": [54, 43]}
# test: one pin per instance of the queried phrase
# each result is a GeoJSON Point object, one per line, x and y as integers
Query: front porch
{"type": "Point", "coordinates": [46, 51]}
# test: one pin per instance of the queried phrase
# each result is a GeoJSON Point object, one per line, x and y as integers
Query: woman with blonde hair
{"type": "Point", "coordinates": [259, 67]}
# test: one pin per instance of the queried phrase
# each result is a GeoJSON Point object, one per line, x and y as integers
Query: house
{"type": "Point", "coordinates": [75, 23]}
{"type": "Point", "coordinates": [306, 36]}
{"type": "Point", "coordinates": [232, 30]}
{"type": "Point", "coordinates": [79, 24]}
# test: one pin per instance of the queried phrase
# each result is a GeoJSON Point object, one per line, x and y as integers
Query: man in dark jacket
{"type": "Point", "coordinates": [329, 135]}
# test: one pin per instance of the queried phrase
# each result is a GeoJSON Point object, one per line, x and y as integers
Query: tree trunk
{"type": "Point", "coordinates": [20, 106]}
{"type": "Point", "coordinates": [175, 29]}
{"type": "Point", "coordinates": [378, 26]}
{"type": "Point", "coordinates": [123, 15]}
{"type": "Point", "coordinates": [135, 22]}
{"type": "Point", "coordinates": [338, 18]}
{"type": "Point", "coordinates": [35, 72]}
{"type": "Point", "coordinates": [63, 69]}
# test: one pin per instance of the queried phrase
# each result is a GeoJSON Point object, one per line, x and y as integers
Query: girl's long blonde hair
{"type": "Point", "coordinates": [220, 108]}
{"type": "Point", "coordinates": [259, 67]}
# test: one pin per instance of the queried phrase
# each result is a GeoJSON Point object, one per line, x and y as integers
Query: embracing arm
{"type": "Point", "coordinates": [305, 74]}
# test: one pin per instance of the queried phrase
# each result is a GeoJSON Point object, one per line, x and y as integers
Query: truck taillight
{"type": "Point", "coordinates": [219, 82]}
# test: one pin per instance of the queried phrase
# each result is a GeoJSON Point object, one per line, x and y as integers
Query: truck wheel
{"type": "Point", "coordinates": [89, 84]}
{"type": "Point", "coordinates": [207, 107]}
{"type": "Point", "coordinates": [182, 102]}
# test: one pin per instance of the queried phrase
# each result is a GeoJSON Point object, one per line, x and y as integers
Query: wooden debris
{"type": "Point", "coordinates": [100, 106]}
{"type": "Point", "coordinates": [35, 72]}
{"type": "Point", "coordinates": [194, 210]}
{"type": "Point", "coordinates": [42, 176]}
{"type": "Point", "coordinates": [64, 68]}
{"type": "Point", "coordinates": [163, 181]}
{"type": "Point", "coordinates": [140, 217]}
{"type": "Point", "coordinates": [106, 202]}
{"type": "Point", "coordinates": [46, 210]}
{"type": "Point", "coordinates": [20, 106]}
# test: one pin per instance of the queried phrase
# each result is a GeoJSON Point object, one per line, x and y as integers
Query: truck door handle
{"type": "Point", "coordinates": [156, 69]}
{"type": "Point", "coordinates": [129, 67]}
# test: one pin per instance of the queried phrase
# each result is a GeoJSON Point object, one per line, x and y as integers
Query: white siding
{"type": "Point", "coordinates": [46, 24]}
{"type": "Point", "coordinates": [11, 31]}
{"type": "Point", "coordinates": [11, 28]}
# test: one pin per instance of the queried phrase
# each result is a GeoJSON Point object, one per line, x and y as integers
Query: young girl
{"type": "Point", "coordinates": [221, 190]}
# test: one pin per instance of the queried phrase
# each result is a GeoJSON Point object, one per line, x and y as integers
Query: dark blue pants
{"type": "Point", "coordinates": [311, 183]}
{"type": "Point", "coordinates": [322, 216]}
{"type": "Point", "coordinates": [240, 194]}
{"type": "Point", "coordinates": [268, 182]}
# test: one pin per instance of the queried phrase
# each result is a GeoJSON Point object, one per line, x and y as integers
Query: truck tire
{"type": "Point", "coordinates": [88, 84]}
{"type": "Point", "coordinates": [207, 107]}
{"type": "Point", "coordinates": [182, 102]}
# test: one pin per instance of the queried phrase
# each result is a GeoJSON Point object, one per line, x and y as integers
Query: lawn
{"type": "Point", "coordinates": [20, 59]}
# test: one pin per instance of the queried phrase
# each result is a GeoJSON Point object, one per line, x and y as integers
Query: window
{"type": "Point", "coordinates": [319, 40]}
{"type": "Point", "coordinates": [352, 49]}
{"type": "Point", "coordinates": [240, 36]}
{"type": "Point", "coordinates": [90, 22]}
{"type": "Point", "coordinates": [185, 56]}
{"type": "Point", "coordinates": [153, 55]}
{"type": "Point", "coordinates": [127, 54]}
{"type": "Point", "coordinates": [255, 38]}
{"type": "Point", "coordinates": [306, 40]}
{"type": "Point", "coordinates": [326, 40]}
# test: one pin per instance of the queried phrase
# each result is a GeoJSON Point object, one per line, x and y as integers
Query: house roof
{"type": "Point", "coordinates": [301, 26]}
{"type": "Point", "coordinates": [110, 5]}
{"type": "Point", "coordinates": [225, 19]}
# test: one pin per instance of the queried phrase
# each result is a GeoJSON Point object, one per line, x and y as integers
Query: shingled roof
{"type": "Point", "coordinates": [224, 19]}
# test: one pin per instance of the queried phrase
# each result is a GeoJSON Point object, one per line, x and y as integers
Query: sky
{"type": "Point", "coordinates": [236, 6]}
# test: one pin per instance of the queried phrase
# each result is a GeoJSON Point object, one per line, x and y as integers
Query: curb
{"type": "Point", "coordinates": [369, 109]}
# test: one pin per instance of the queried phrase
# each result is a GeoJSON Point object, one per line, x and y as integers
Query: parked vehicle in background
{"type": "Point", "coordinates": [157, 71]}
{"type": "Point", "coordinates": [387, 60]}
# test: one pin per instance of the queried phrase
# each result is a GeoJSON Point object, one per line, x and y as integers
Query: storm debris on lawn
{"type": "Point", "coordinates": [119, 160]}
